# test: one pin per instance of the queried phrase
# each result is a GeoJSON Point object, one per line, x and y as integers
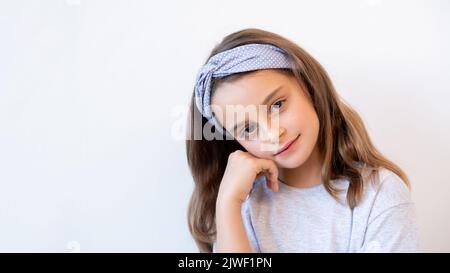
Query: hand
{"type": "Point", "coordinates": [241, 172]}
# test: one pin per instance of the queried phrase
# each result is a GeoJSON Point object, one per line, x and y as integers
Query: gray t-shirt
{"type": "Point", "coordinates": [311, 220]}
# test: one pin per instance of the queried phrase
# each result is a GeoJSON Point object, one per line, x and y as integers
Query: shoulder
{"type": "Point", "coordinates": [388, 192]}
{"type": "Point", "coordinates": [391, 188]}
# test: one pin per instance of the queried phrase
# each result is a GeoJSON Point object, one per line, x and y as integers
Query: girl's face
{"type": "Point", "coordinates": [266, 134]}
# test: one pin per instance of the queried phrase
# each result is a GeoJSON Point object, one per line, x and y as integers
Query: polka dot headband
{"type": "Point", "coordinates": [239, 59]}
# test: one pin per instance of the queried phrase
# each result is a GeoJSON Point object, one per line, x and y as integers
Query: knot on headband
{"type": "Point", "coordinates": [239, 59]}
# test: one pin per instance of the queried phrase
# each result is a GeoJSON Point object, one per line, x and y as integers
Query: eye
{"type": "Point", "coordinates": [249, 129]}
{"type": "Point", "coordinates": [278, 104]}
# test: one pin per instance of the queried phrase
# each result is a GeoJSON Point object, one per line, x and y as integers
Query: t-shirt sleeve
{"type": "Point", "coordinates": [246, 220]}
{"type": "Point", "coordinates": [392, 225]}
{"type": "Point", "coordinates": [249, 230]}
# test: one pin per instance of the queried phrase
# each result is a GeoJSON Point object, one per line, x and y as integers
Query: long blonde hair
{"type": "Point", "coordinates": [343, 138]}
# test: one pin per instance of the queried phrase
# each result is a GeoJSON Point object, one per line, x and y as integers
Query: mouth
{"type": "Point", "coordinates": [287, 146]}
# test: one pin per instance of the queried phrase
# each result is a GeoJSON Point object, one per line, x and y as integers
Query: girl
{"type": "Point", "coordinates": [312, 183]}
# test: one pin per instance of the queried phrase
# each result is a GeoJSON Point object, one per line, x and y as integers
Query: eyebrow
{"type": "Point", "coordinates": [265, 101]}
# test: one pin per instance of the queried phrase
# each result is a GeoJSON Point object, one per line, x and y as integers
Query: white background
{"type": "Point", "coordinates": [88, 91]}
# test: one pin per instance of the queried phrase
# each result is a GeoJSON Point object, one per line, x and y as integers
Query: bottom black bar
{"type": "Point", "coordinates": [199, 262]}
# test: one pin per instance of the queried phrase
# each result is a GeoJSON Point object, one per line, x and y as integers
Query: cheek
{"type": "Point", "coordinates": [303, 116]}
{"type": "Point", "coordinates": [294, 118]}
{"type": "Point", "coordinates": [310, 125]}
{"type": "Point", "coordinates": [311, 118]}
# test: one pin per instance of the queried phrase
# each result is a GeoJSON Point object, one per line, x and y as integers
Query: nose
{"type": "Point", "coordinates": [271, 132]}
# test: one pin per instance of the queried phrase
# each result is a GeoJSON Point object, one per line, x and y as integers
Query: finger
{"type": "Point", "coordinates": [270, 167]}
{"type": "Point", "coordinates": [266, 173]}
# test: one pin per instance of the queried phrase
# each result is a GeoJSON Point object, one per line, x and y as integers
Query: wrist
{"type": "Point", "coordinates": [227, 202]}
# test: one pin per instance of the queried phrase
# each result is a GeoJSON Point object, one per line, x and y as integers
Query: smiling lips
{"type": "Point", "coordinates": [287, 146]}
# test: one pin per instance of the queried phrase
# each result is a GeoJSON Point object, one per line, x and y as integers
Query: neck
{"type": "Point", "coordinates": [306, 175]}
